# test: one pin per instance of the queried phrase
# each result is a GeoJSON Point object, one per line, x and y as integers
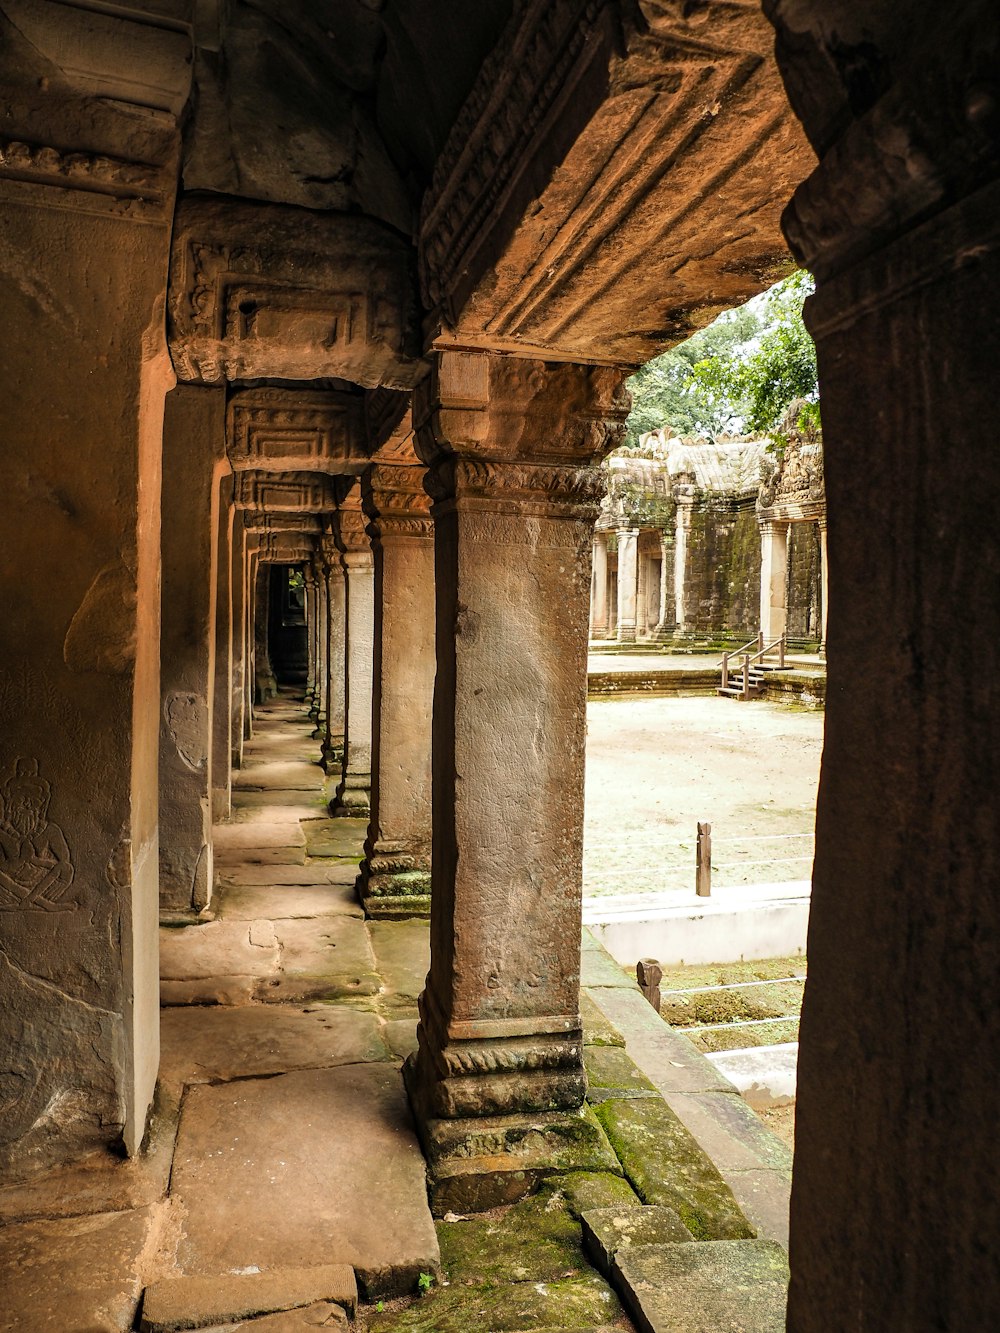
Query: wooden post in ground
{"type": "Point", "coordinates": [703, 873]}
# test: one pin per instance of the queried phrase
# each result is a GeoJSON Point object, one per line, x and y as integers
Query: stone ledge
{"type": "Point", "coordinates": [194, 1302]}
{"type": "Point", "coordinates": [608, 1230]}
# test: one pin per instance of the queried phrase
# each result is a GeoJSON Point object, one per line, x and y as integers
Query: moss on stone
{"type": "Point", "coordinates": [666, 1166]}
{"type": "Point", "coordinates": [610, 1067]}
{"type": "Point", "coordinates": [584, 1190]}
{"type": "Point", "coordinates": [597, 1029]}
{"type": "Point", "coordinates": [535, 1240]}
{"type": "Point", "coordinates": [584, 1301]}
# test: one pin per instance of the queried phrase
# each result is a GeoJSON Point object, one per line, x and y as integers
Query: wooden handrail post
{"type": "Point", "coordinates": [760, 640]}
{"type": "Point", "coordinates": [703, 870]}
{"type": "Point", "coordinates": [725, 670]}
{"type": "Point", "coordinates": [781, 653]}
{"type": "Point", "coordinates": [746, 675]}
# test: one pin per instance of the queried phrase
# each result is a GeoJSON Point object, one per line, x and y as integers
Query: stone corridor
{"type": "Point", "coordinates": [283, 1187]}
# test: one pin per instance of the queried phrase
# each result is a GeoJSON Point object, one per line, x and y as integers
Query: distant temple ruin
{"type": "Point", "coordinates": [701, 541]}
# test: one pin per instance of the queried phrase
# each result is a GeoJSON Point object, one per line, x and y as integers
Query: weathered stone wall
{"type": "Point", "coordinates": [803, 596]}
{"type": "Point", "coordinates": [722, 583]}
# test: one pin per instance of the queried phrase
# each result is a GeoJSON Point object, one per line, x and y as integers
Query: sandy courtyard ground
{"type": "Point", "coordinates": [656, 766]}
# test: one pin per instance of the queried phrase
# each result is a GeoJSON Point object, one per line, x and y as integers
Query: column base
{"type": "Point", "coordinates": [394, 883]}
{"type": "Point", "coordinates": [353, 797]}
{"type": "Point", "coordinates": [480, 1162]}
{"type": "Point", "coordinates": [626, 634]}
{"type": "Point", "coordinates": [332, 752]}
{"type": "Point", "coordinates": [319, 731]}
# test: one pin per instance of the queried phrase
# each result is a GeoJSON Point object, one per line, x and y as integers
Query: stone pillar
{"type": "Point", "coordinates": [824, 584]}
{"type": "Point", "coordinates": [194, 471]}
{"type": "Point", "coordinates": [240, 639]}
{"type": "Point", "coordinates": [318, 710]}
{"type": "Point", "coordinates": [668, 594]}
{"type": "Point", "coordinates": [265, 685]}
{"type": "Point", "coordinates": [628, 583]}
{"type": "Point", "coordinates": [510, 443]}
{"type": "Point", "coordinates": [222, 711]}
{"type": "Point", "coordinates": [250, 593]}
{"type": "Point", "coordinates": [334, 578]}
{"type": "Point", "coordinates": [83, 376]}
{"type": "Point", "coordinates": [312, 635]}
{"type": "Point", "coordinates": [682, 527]}
{"type": "Point", "coordinates": [599, 588]}
{"type": "Point", "coordinates": [352, 797]}
{"type": "Point", "coordinates": [895, 1206]}
{"type": "Point", "coordinates": [395, 874]}
{"type": "Point", "coordinates": [773, 578]}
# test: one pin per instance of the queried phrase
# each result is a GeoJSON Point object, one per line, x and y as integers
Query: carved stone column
{"type": "Point", "coordinates": [599, 591]}
{"type": "Point", "coordinates": [395, 874]}
{"type": "Point", "coordinates": [336, 662]}
{"type": "Point", "coordinates": [773, 577]}
{"type": "Point", "coordinates": [318, 709]}
{"type": "Point", "coordinates": [668, 591]}
{"type": "Point", "coordinates": [194, 471]}
{"type": "Point", "coordinates": [824, 583]}
{"type": "Point", "coordinates": [237, 692]}
{"type": "Point", "coordinates": [312, 636]}
{"type": "Point", "coordinates": [87, 194]}
{"type": "Point", "coordinates": [265, 684]}
{"type": "Point", "coordinates": [222, 712]}
{"type": "Point", "coordinates": [498, 1082]}
{"type": "Point", "coordinates": [682, 528]}
{"type": "Point", "coordinates": [628, 583]}
{"type": "Point", "coordinates": [250, 608]}
{"type": "Point", "coordinates": [352, 797]}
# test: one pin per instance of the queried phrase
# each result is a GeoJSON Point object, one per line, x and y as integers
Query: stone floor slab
{"type": "Point", "coordinates": [402, 957]}
{"type": "Point", "coordinates": [278, 775]}
{"type": "Point", "coordinates": [250, 836]}
{"type": "Point", "coordinates": [581, 1302]}
{"type": "Point", "coordinates": [325, 958]}
{"type": "Point", "coordinates": [199, 1045]}
{"type": "Point", "coordinates": [76, 1273]}
{"type": "Point", "coordinates": [248, 902]}
{"type": "Point", "coordinates": [192, 1302]}
{"type": "Point", "coordinates": [608, 1230]}
{"type": "Point", "coordinates": [335, 837]}
{"type": "Point", "coordinates": [313, 872]}
{"type": "Point", "coordinates": [308, 1168]}
{"type": "Point", "coordinates": [714, 1287]}
{"type": "Point", "coordinates": [321, 1315]}
{"type": "Point", "coordinates": [217, 948]}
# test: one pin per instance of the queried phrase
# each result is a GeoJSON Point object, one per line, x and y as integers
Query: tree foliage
{"type": "Point", "coordinates": [737, 375]}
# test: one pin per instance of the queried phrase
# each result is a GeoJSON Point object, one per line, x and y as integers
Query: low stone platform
{"type": "Point", "coordinates": [283, 1180]}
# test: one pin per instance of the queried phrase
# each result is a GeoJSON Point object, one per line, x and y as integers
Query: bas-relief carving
{"type": "Point", "coordinates": [623, 117]}
{"type": "Point", "coordinates": [792, 486]}
{"type": "Point", "coordinates": [36, 869]}
{"type": "Point", "coordinates": [186, 717]}
{"type": "Point", "coordinates": [272, 291]}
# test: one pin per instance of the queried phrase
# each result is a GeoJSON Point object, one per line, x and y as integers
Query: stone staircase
{"type": "Point", "coordinates": [745, 671]}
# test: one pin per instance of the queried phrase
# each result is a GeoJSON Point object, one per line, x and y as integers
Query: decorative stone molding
{"type": "Point", "coordinates": [289, 492]}
{"type": "Point", "coordinates": [508, 409]}
{"type": "Point", "coordinates": [95, 173]}
{"type": "Point", "coordinates": [903, 123]}
{"type": "Point", "coordinates": [273, 550]}
{"type": "Point", "coordinates": [568, 175]}
{"type": "Point", "coordinates": [389, 423]}
{"type": "Point", "coordinates": [351, 528]}
{"type": "Point", "coordinates": [300, 430]}
{"type": "Point", "coordinates": [270, 291]}
{"type": "Point", "coordinates": [261, 521]}
{"type": "Point", "coordinates": [792, 486]}
{"type": "Point", "coordinates": [396, 502]}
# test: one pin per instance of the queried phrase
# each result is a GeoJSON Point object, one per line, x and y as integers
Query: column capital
{"type": "Point", "coordinates": [395, 501]}
{"type": "Point", "coordinates": [511, 409]}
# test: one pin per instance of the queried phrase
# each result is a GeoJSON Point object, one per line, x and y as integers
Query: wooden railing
{"type": "Point", "coordinates": [743, 672]}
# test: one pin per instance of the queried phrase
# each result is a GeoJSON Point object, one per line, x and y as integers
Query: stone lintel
{"type": "Point", "coordinates": [288, 492]}
{"type": "Point", "coordinates": [395, 501]}
{"type": "Point", "coordinates": [293, 430]}
{"type": "Point", "coordinates": [272, 291]}
{"type": "Point", "coordinates": [569, 172]}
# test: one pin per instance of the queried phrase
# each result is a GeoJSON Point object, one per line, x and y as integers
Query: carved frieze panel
{"type": "Point", "coordinates": [310, 525]}
{"type": "Point", "coordinates": [792, 486]}
{"type": "Point", "coordinates": [269, 291]}
{"type": "Point", "coordinates": [286, 429]}
{"type": "Point", "coordinates": [36, 865]}
{"type": "Point", "coordinates": [613, 181]}
{"type": "Point", "coordinates": [277, 493]}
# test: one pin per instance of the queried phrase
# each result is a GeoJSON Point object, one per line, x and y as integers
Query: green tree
{"type": "Point", "coordinates": [738, 374]}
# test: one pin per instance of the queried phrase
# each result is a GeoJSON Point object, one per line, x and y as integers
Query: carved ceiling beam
{"type": "Point", "coordinates": [268, 291]}
{"type": "Point", "coordinates": [614, 180]}
{"type": "Point", "coordinates": [284, 493]}
{"type": "Point", "coordinates": [281, 430]}
{"type": "Point", "coordinates": [310, 525]}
